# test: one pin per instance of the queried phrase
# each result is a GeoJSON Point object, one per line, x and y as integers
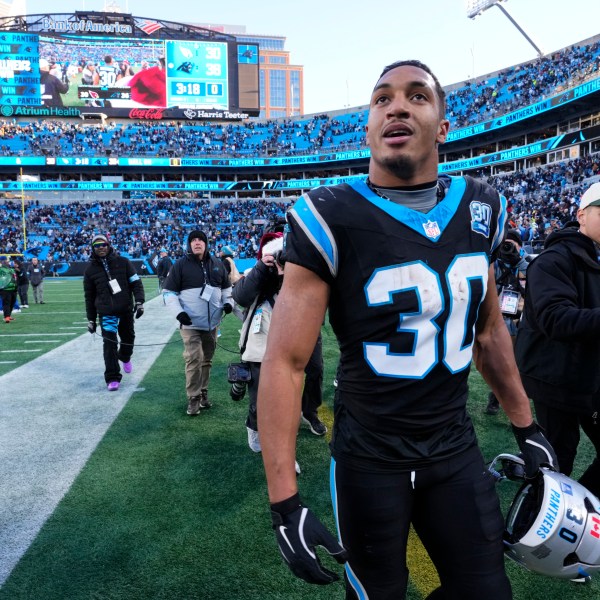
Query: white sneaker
{"type": "Point", "coordinates": [25, 306]}
{"type": "Point", "coordinates": [253, 440]}
{"type": "Point", "coordinates": [298, 471]}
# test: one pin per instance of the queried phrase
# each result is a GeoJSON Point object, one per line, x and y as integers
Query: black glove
{"type": "Point", "coordinates": [227, 308]}
{"type": "Point", "coordinates": [92, 326]}
{"type": "Point", "coordinates": [139, 309]}
{"type": "Point", "coordinates": [536, 451]}
{"type": "Point", "coordinates": [184, 318]}
{"type": "Point", "coordinates": [298, 531]}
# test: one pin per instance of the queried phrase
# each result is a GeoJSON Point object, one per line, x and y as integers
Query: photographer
{"type": "Point", "coordinates": [257, 292]}
{"type": "Point", "coordinates": [509, 269]}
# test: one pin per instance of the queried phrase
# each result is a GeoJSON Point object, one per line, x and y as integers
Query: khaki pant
{"type": "Point", "coordinates": [198, 350]}
{"type": "Point", "coordinates": [38, 292]}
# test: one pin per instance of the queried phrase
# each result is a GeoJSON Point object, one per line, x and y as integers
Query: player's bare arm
{"type": "Point", "coordinates": [494, 358]}
{"type": "Point", "coordinates": [297, 319]}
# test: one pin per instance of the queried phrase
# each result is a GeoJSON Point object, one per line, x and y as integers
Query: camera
{"type": "Point", "coordinates": [238, 390]}
{"type": "Point", "coordinates": [279, 258]}
{"type": "Point", "coordinates": [509, 253]}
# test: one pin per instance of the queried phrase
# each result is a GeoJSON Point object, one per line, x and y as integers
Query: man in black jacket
{"type": "Point", "coordinates": [162, 267]}
{"type": "Point", "coordinates": [558, 341]}
{"type": "Point", "coordinates": [109, 283]}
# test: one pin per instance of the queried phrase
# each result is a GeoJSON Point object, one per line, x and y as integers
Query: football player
{"type": "Point", "coordinates": [402, 263]}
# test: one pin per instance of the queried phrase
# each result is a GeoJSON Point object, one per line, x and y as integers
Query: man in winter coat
{"type": "Point", "coordinates": [558, 341]}
{"type": "Point", "coordinates": [111, 286]}
{"type": "Point", "coordinates": [8, 288]}
{"type": "Point", "coordinates": [37, 272]}
{"type": "Point", "coordinates": [162, 267]}
{"type": "Point", "coordinates": [197, 291]}
{"type": "Point", "coordinates": [257, 292]}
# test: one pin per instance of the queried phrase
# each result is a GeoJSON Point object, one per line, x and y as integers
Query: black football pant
{"type": "Point", "coordinates": [454, 508]}
{"type": "Point", "coordinates": [562, 430]}
{"type": "Point", "coordinates": [312, 394]}
{"type": "Point", "coordinates": [118, 335]}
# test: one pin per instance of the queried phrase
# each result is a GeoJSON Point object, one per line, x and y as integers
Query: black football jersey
{"type": "Point", "coordinates": [405, 292]}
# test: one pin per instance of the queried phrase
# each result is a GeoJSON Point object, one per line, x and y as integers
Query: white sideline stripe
{"type": "Point", "coordinates": [7, 362]}
{"type": "Point", "coordinates": [41, 341]}
{"type": "Point", "coordinates": [47, 434]}
{"type": "Point", "coordinates": [15, 351]}
{"type": "Point", "coordinates": [33, 334]}
{"type": "Point", "coordinates": [71, 327]}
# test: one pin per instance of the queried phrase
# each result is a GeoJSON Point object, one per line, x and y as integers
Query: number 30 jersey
{"type": "Point", "coordinates": [405, 292]}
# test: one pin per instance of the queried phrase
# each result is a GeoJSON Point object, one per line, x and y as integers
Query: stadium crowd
{"type": "Point", "coordinates": [540, 200]}
{"type": "Point", "coordinates": [468, 103]}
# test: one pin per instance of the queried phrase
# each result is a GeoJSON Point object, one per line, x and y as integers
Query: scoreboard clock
{"type": "Point", "coordinates": [197, 74]}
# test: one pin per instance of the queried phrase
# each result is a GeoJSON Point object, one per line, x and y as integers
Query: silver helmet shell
{"type": "Point", "coordinates": [553, 527]}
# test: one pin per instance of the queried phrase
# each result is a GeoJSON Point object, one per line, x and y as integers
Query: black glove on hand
{"type": "Point", "coordinates": [227, 308]}
{"type": "Point", "coordinates": [184, 318]}
{"type": "Point", "coordinates": [139, 309]}
{"type": "Point", "coordinates": [535, 449]}
{"type": "Point", "coordinates": [298, 532]}
{"type": "Point", "coordinates": [92, 326]}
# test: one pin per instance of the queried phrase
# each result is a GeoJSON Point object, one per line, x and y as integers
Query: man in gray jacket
{"type": "Point", "coordinates": [36, 272]}
{"type": "Point", "coordinates": [197, 291]}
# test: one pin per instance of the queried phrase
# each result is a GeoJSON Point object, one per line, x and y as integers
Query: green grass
{"type": "Point", "coordinates": [173, 507]}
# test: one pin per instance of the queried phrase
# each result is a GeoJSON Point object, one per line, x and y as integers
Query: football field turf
{"type": "Point", "coordinates": [122, 496]}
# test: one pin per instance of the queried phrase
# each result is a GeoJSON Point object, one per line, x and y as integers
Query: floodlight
{"type": "Point", "coordinates": [477, 7]}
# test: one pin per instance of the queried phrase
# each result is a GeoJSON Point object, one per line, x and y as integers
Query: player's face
{"type": "Point", "coordinates": [404, 128]}
{"type": "Point", "coordinates": [589, 222]}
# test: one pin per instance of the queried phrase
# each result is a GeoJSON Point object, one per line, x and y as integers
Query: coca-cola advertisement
{"type": "Point", "coordinates": [147, 114]}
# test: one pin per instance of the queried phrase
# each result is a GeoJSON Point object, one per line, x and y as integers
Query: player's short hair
{"type": "Point", "coordinates": [439, 90]}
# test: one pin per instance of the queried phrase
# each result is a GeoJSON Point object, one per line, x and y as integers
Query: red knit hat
{"type": "Point", "coordinates": [267, 237]}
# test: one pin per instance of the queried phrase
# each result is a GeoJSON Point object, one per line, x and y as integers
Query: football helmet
{"type": "Point", "coordinates": [553, 524]}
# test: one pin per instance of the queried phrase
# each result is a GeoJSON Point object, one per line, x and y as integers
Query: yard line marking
{"type": "Point", "coordinates": [78, 327]}
{"type": "Point", "coordinates": [41, 341]}
{"type": "Point", "coordinates": [15, 351]}
{"type": "Point", "coordinates": [7, 362]}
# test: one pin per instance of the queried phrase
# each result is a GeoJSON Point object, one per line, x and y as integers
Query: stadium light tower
{"type": "Point", "coordinates": [477, 7]}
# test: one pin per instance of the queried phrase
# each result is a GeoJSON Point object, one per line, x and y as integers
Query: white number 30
{"type": "Point", "coordinates": [426, 284]}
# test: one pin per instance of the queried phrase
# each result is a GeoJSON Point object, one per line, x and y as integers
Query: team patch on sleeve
{"type": "Point", "coordinates": [481, 217]}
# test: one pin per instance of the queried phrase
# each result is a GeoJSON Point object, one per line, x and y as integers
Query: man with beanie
{"type": "Point", "coordinates": [197, 291]}
{"type": "Point", "coordinates": [558, 342]}
{"type": "Point", "coordinates": [114, 292]}
{"type": "Point", "coordinates": [162, 267]}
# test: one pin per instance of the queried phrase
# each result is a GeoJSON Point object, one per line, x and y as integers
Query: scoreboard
{"type": "Point", "coordinates": [125, 76]}
{"type": "Point", "coordinates": [19, 73]}
{"type": "Point", "coordinates": [197, 74]}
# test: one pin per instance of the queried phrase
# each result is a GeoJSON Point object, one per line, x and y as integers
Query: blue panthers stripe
{"type": "Point", "coordinates": [352, 578]}
{"type": "Point", "coordinates": [317, 231]}
{"type": "Point", "coordinates": [502, 216]}
{"type": "Point", "coordinates": [110, 323]}
{"type": "Point", "coordinates": [134, 277]}
{"type": "Point", "coordinates": [441, 214]}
